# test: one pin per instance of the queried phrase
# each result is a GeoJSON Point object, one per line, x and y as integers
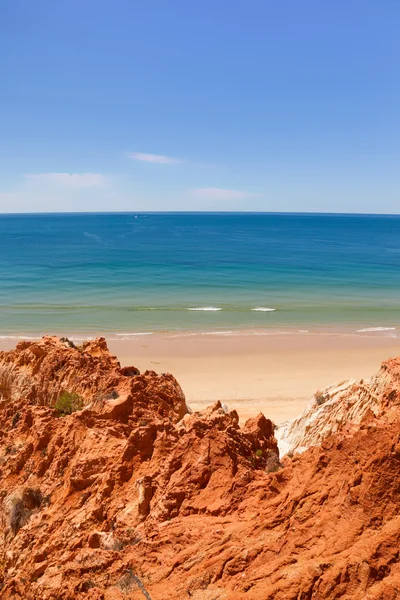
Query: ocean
{"type": "Point", "coordinates": [125, 274]}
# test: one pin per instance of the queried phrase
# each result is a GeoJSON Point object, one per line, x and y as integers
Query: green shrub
{"type": "Point", "coordinates": [259, 452]}
{"type": "Point", "coordinates": [69, 403]}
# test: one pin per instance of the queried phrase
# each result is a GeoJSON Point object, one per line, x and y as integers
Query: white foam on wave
{"type": "Point", "coordinates": [18, 337]}
{"type": "Point", "coordinates": [263, 309]}
{"type": "Point", "coordinates": [206, 308]}
{"type": "Point", "coordinates": [183, 334]}
{"type": "Point", "coordinates": [264, 333]}
{"type": "Point", "coordinates": [375, 329]}
{"type": "Point", "coordinates": [134, 333]}
{"type": "Point", "coordinates": [217, 333]}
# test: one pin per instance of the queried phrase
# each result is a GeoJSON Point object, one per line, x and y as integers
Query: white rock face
{"type": "Point", "coordinates": [329, 411]}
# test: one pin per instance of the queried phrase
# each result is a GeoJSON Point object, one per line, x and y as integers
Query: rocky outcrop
{"type": "Point", "coordinates": [39, 372]}
{"type": "Point", "coordinates": [342, 406]}
{"type": "Point", "coordinates": [134, 497]}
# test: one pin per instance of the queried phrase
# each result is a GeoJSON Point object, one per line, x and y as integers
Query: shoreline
{"type": "Point", "coordinates": [273, 373]}
{"type": "Point", "coordinates": [354, 330]}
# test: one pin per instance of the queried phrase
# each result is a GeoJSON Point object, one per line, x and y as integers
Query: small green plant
{"type": "Point", "coordinates": [68, 403]}
{"type": "Point", "coordinates": [259, 452]}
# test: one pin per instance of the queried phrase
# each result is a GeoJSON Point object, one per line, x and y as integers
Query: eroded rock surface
{"type": "Point", "coordinates": [342, 406]}
{"type": "Point", "coordinates": [134, 497]}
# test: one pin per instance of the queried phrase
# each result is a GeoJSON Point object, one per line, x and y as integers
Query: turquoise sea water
{"type": "Point", "coordinates": [124, 273]}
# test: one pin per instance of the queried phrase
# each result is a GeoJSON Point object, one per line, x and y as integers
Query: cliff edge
{"type": "Point", "coordinates": [132, 496]}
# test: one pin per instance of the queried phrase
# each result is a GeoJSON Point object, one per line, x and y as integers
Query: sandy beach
{"type": "Point", "coordinates": [274, 374]}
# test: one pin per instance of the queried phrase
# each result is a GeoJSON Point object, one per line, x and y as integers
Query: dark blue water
{"type": "Point", "coordinates": [126, 273]}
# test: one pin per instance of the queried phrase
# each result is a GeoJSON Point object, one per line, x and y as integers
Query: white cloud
{"type": "Point", "coordinates": [70, 179]}
{"type": "Point", "coordinates": [220, 194]}
{"type": "Point", "coordinates": [154, 158]}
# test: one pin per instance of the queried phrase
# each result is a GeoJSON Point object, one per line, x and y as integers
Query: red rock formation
{"type": "Point", "coordinates": [38, 372]}
{"type": "Point", "coordinates": [133, 497]}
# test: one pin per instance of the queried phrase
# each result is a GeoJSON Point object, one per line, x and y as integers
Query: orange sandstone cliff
{"type": "Point", "coordinates": [134, 497]}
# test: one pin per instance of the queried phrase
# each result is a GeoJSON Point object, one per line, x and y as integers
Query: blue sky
{"type": "Point", "coordinates": [200, 105]}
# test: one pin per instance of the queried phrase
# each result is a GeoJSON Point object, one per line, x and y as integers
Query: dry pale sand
{"type": "Point", "coordinates": [274, 374]}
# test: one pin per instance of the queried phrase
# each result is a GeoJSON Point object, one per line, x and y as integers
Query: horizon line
{"type": "Point", "coordinates": [197, 212]}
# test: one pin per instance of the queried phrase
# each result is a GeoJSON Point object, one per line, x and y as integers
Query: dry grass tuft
{"type": "Point", "coordinates": [19, 507]}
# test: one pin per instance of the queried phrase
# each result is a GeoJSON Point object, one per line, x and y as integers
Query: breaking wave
{"type": "Point", "coordinates": [206, 308]}
{"type": "Point", "coordinates": [375, 329]}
